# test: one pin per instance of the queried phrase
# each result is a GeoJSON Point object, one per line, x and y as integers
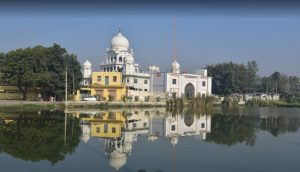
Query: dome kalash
{"type": "Point", "coordinates": [119, 42]}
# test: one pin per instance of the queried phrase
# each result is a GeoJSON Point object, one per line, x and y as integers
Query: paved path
{"type": "Point", "coordinates": [78, 103]}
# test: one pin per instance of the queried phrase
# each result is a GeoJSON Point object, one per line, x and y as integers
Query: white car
{"type": "Point", "coordinates": [89, 99]}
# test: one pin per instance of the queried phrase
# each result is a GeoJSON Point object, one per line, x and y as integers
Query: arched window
{"type": "Point", "coordinates": [118, 68]}
{"type": "Point", "coordinates": [111, 69]}
{"type": "Point", "coordinates": [120, 59]}
{"type": "Point", "coordinates": [111, 59]}
{"type": "Point", "coordinates": [115, 58]}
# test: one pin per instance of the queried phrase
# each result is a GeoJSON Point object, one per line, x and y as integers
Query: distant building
{"type": "Point", "coordinates": [178, 84]}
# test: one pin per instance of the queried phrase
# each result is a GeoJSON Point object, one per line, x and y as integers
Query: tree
{"type": "Point", "coordinates": [41, 67]}
{"type": "Point", "coordinates": [230, 78]}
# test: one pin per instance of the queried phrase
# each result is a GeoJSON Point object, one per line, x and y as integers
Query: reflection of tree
{"type": "Point", "coordinates": [233, 129]}
{"type": "Point", "coordinates": [280, 125]}
{"type": "Point", "coordinates": [40, 137]}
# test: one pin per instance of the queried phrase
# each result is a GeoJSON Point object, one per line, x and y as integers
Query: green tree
{"type": "Point", "coordinates": [230, 78]}
{"type": "Point", "coordinates": [41, 67]}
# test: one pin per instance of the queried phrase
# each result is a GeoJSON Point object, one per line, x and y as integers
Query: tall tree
{"type": "Point", "coordinates": [231, 78]}
{"type": "Point", "coordinates": [41, 67]}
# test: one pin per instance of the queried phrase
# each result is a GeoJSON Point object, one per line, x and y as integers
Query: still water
{"type": "Point", "coordinates": [152, 140]}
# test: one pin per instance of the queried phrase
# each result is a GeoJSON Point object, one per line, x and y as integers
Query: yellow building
{"type": "Point", "coordinates": [105, 124]}
{"type": "Point", "coordinates": [104, 85]}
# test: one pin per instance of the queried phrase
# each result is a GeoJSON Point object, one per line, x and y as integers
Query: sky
{"type": "Point", "coordinates": [205, 34]}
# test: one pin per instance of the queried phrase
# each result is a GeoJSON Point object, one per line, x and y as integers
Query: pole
{"type": "Point", "coordinates": [73, 84]}
{"type": "Point", "coordinates": [66, 88]}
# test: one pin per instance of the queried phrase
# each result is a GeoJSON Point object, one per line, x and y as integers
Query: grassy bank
{"type": "Point", "coordinates": [278, 103]}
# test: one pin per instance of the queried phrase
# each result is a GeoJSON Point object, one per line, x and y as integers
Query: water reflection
{"type": "Point", "coordinates": [38, 136]}
{"type": "Point", "coordinates": [52, 135]}
{"type": "Point", "coordinates": [118, 130]}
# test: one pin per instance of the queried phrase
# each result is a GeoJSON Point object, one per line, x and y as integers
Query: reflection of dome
{"type": "Point", "coordinates": [173, 140]}
{"type": "Point", "coordinates": [188, 120]}
{"type": "Point", "coordinates": [120, 42]}
{"type": "Point", "coordinates": [117, 160]}
{"type": "Point", "coordinates": [85, 138]}
{"type": "Point", "coordinates": [87, 63]}
{"type": "Point", "coordinates": [129, 59]}
{"type": "Point", "coordinates": [127, 147]}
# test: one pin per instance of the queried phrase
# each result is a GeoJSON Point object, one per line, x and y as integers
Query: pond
{"type": "Point", "coordinates": [152, 140]}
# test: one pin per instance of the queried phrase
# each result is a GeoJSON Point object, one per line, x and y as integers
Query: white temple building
{"type": "Point", "coordinates": [187, 85]}
{"type": "Point", "coordinates": [120, 58]}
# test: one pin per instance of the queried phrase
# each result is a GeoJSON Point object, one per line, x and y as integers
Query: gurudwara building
{"type": "Point", "coordinates": [120, 59]}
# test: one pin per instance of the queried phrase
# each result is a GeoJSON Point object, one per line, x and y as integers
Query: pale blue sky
{"type": "Point", "coordinates": [202, 37]}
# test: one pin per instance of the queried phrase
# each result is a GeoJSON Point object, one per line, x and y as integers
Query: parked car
{"type": "Point", "coordinates": [89, 98]}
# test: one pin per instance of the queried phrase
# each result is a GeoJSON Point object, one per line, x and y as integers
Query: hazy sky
{"type": "Point", "coordinates": [205, 35]}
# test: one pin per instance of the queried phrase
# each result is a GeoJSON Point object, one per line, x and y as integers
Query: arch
{"type": "Point", "coordinates": [188, 119]}
{"type": "Point", "coordinates": [189, 90]}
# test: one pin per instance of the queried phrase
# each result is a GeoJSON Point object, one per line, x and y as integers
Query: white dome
{"type": "Point", "coordinates": [117, 160]}
{"type": "Point", "coordinates": [119, 42]}
{"type": "Point", "coordinates": [175, 65]}
{"type": "Point", "coordinates": [85, 138]}
{"type": "Point", "coordinates": [87, 63]}
{"type": "Point", "coordinates": [127, 147]}
{"type": "Point", "coordinates": [129, 59]}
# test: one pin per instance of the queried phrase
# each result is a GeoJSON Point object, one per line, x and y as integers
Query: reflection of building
{"type": "Point", "coordinates": [102, 124]}
{"type": "Point", "coordinates": [118, 149]}
{"type": "Point", "coordinates": [117, 131]}
{"type": "Point", "coordinates": [186, 125]}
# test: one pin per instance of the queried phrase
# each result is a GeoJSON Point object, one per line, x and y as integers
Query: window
{"type": "Point", "coordinates": [97, 129]}
{"type": "Point", "coordinates": [120, 59]}
{"type": "Point", "coordinates": [135, 81]}
{"type": "Point", "coordinates": [145, 81]}
{"type": "Point", "coordinates": [106, 80]}
{"type": "Point", "coordinates": [173, 127]}
{"type": "Point", "coordinates": [113, 130]}
{"type": "Point", "coordinates": [202, 125]}
{"type": "Point", "coordinates": [127, 80]}
{"type": "Point", "coordinates": [145, 124]}
{"type": "Point", "coordinates": [114, 78]}
{"type": "Point", "coordinates": [134, 125]}
{"type": "Point", "coordinates": [203, 83]}
{"type": "Point", "coordinates": [105, 128]}
{"type": "Point", "coordinates": [99, 78]}
{"type": "Point", "coordinates": [174, 81]}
